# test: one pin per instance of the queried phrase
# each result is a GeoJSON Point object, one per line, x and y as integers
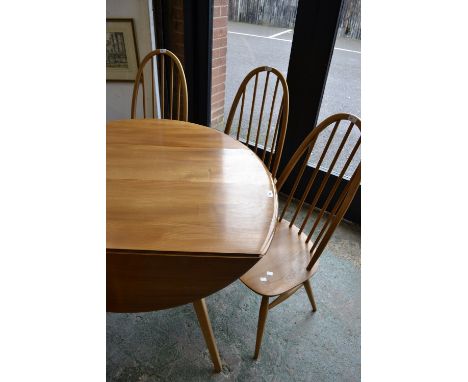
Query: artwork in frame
{"type": "Point", "coordinates": [121, 50]}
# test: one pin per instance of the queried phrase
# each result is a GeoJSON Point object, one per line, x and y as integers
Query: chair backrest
{"type": "Point", "coordinates": [334, 178]}
{"type": "Point", "coordinates": [262, 135]}
{"type": "Point", "coordinates": [173, 96]}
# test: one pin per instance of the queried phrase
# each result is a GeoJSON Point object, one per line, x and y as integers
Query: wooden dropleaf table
{"type": "Point", "coordinates": [189, 210]}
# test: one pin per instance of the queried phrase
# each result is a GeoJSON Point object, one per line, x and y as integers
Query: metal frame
{"type": "Point", "coordinates": [311, 52]}
{"type": "Point", "coordinates": [198, 44]}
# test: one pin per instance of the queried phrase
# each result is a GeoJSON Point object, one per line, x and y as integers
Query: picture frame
{"type": "Point", "coordinates": [121, 50]}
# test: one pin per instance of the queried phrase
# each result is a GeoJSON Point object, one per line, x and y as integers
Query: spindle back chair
{"type": "Point", "coordinates": [272, 141]}
{"type": "Point", "coordinates": [318, 198]}
{"type": "Point", "coordinates": [173, 96]}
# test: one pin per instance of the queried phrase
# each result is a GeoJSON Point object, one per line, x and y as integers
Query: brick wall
{"type": "Point", "coordinates": [174, 39]}
{"type": "Point", "coordinates": [218, 74]}
{"type": "Point", "coordinates": [177, 28]}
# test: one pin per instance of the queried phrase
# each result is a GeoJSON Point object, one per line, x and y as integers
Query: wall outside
{"type": "Point", "coordinates": [218, 73]}
{"type": "Point", "coordinates": [282, 13]}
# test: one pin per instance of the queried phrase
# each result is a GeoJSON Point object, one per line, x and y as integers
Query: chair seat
{"type": "Point", "coordinates": [287, 259]}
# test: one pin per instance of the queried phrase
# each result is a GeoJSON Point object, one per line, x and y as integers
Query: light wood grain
{"type": "Point", "coordinates": [189, 210]}
{"type": "Point", "coordinates": [308, 289]}
{"type": "Point", "coordinates": [284, 296]}
{"type": "Point", "coordinates": [262, 317]}
{"type": "Point", "coordinates": [292, 257]}
{"type": "Point", "coordinates": [275, 145]}
{"type": "Point", "coordinates": [205, 325]}
{"type": "Point", "coordinates": [178, 187]}
{"type": "Point", "coordinates": [287, 258]}
{"type": "Point", "coordinates": [171, 80]}
{"type": "Point", "coordinates": [179, 197]}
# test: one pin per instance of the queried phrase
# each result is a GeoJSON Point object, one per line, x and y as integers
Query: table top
{"type": "Point", "coordinates": [178, 187]}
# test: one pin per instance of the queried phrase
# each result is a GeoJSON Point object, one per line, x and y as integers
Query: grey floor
{"type": "Point", "coordinates": [298, 345]}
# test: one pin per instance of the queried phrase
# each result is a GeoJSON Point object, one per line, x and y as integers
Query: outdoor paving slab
{"type": "Point", "coordinates": [260, 30]}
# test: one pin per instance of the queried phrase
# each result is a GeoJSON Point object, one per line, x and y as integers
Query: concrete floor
{"type": "Point", "coordinates": [298, 345]}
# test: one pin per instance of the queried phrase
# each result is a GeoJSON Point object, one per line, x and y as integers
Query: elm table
{"type": "Point", "coordinates": [189, 210]}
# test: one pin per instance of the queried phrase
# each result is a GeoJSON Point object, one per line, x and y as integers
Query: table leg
{"type": "Point", "coordinates": [205, 324]}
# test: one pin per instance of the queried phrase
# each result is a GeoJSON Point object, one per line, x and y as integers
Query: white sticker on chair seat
{"type": "Point", "coordinates": [263, 279]}
{"type": "Point", "coordinates": [269, 273]}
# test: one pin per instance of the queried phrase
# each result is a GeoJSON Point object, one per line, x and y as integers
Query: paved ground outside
{"type": "Point", "coordinates": [250, 46]}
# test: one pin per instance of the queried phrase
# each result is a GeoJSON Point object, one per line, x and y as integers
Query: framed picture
{"type": "Point", "coordinates": [121, 50]}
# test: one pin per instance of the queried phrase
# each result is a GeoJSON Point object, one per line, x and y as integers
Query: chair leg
{"type": "Point", "coordinates": [205, 325]}
{"type": "Point", "coordinates": [262, 316]}
{"type": "Point", "coordinates": [308, 289]}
